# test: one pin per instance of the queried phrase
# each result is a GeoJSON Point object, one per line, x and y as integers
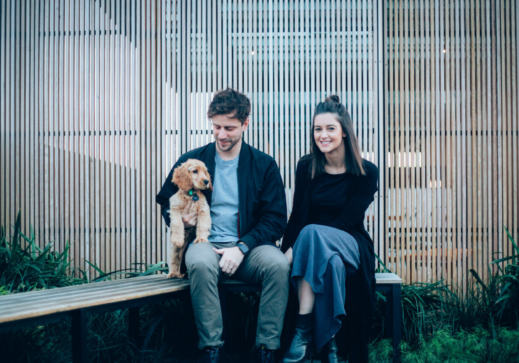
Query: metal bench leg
{"type": "Point", "coordinates": [221, 294]}
{"type": "Point", "coordinates": [397, 321]}
{"type": "Point", "coordinates": [133, 326]}
{"type": "Point", "coordinates": [79, 336]}
{"type": "Point", "coordinates": [388, 326]}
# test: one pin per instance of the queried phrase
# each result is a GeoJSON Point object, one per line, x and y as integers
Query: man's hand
{"type": "Point", "coordinates": [288, 255]}
{"type": "Point", "coordinates": [231, 259]}
{"type": "Point", "coordinates": [189, 219]}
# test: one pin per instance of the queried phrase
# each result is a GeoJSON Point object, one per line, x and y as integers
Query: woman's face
{"type": "Point", "coordinates": [328, 134]}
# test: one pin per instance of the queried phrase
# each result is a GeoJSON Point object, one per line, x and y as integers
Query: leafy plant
{"type": "Point", "coordinates": [25, 267]}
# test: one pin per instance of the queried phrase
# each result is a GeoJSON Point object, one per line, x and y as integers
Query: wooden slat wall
{"type": "Point", "coordinates": [451, 116]}
{"type": "Point", "coordinates": [99, 99]}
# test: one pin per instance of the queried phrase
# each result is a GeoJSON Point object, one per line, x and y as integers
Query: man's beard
{"type": "Point", "coordinates": [230, 144]}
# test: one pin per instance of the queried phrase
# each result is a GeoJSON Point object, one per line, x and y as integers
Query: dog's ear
{"type": "Point", "coordinates": [210, 183]}
{"type": "Point", "coordinates": [182, 178]}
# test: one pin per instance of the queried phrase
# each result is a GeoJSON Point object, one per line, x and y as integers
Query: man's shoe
{"type": "Point", "coordinates": [329, 352]}
{"type": "Point", "coordinates": [299, 349]}
{"type": "Point", "coordinates": [264, 355]}
{"type": "Point", "coordinates": [209, 355]}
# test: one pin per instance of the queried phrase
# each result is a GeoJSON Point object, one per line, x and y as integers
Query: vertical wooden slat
{"type": "Point", "coordinates": [3, 114]}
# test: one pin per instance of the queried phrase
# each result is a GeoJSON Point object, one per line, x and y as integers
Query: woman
{"type": "Point", "coordinates": [327, 242]}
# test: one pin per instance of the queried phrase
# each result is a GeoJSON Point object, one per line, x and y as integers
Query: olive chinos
{"type": "Point", "coordinates": [265, 265]}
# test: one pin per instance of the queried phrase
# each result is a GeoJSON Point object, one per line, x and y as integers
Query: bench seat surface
{"type": "Point", "coordinates": [45, 302]}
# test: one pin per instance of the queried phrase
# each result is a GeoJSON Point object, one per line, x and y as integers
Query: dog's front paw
{"type": "Point", "coordinates": [200, 240]}
{"type": "Point", "coordinates": [178, 243]}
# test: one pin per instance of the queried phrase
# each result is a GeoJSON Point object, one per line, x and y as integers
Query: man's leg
{"type": "Point", "coordinates": [204, 273]}
{"type": "Point", "coordinates": [267, 266]}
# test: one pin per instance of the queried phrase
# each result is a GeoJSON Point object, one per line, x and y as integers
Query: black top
{"type": "Point", "coordinates": [262, 211]}
{"type": "Point", "coordinates": [359, 192]}
{"type": "Point", "coordinates": [329, 198]}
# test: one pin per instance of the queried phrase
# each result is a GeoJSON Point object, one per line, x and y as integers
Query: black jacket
{"type": "Point", "coordinates": [360, 303]}
{"type": "Point", "coordinates": [262, 212]}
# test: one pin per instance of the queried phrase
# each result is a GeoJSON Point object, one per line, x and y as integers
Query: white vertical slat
{"type": "Point", "coordinates": [52, 122]}
{"type": "Point", "coordinates": [3, 115]}
{"type": "Point", "coordinates": [256, 106]}
{"type": "Point", "coordinates": [499, 130]}
{"type": "Point", "coordinates": [112, 239]}
{"type": "Point", "coordinates": [26, 140]}
{"type": "Point", "coordinates": [297, 91]}
{"type": "Point", "coordinates": [120, 137]}
{"type": "Point", "coordinates": [204, 45]}
{"type": "Point", "coordinates": [70, 112]}
{"type": "Point", "coordinates": [515, 130]}
{"type": "Point", "coordinates": [246, 61]}
{"type": "Point", "coordinates": [459, 136]}
{"type": "Point", "coordinates": [135, 226]}
{"type": "Point", "coordinates": [263, 141]}
{"type": "Point", "coordinates": [379, 146]}
{"type": "Point", "coordinates": [17, 156]}
{"type": "Point", "coordinates": [274, 92]}
{"type": "Point", "coordinates": [89, 126]}
{"type": "Point", "coordinates": [148, 119]}
{"type": "Point", "coordinates": [270, 54]}
{"type": "Point", "coordinates": [31, 106]}
{"type": "Point", "coordinates": [225, 46]}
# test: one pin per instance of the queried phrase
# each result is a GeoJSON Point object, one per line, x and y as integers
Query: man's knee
{"type": "Point", "coordinates": [277, 267]}
{"type": "Point", "coordinates": [202, 265]}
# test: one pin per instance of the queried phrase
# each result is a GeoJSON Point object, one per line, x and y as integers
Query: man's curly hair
{"type": "Point", "coordinates": [230, 102]}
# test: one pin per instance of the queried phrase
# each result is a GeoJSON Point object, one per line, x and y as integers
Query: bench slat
{"type": "Point", "coordinates": [82, 290]}
{"type": "Point", "coordinates": [52, 301]}
{"type": "Point", "coordinates": [10, 312]}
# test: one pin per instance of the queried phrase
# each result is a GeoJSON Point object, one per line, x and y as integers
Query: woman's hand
{"type": "Point", "coordinates": [288, 255]}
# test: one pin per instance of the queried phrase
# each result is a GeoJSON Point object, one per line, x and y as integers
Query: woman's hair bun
{"type": "Point", "coordinates": [333, 98]}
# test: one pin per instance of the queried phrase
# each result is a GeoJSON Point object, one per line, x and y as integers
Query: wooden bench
{"type": "Point", "coordinates": [77, 302]}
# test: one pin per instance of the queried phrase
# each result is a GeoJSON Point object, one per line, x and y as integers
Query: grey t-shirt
{"type": "Point", "coordinates": [224, 201]}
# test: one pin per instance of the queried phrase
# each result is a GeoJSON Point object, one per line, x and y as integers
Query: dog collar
{"type": "Point", "coordinates": [193, 195]}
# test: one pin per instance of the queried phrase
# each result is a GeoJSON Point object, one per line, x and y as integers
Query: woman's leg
{"type": "Point", "coordinates": [306, 296]}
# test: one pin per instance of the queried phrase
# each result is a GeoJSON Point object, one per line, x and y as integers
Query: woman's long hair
{"type": "Point", "coordinates": [353, 159]}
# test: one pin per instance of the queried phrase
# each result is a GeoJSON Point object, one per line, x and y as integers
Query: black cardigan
{"type": "Point", "coordinates": [361, 302]}
{"type": "Point", "coordinates": [262, 211]}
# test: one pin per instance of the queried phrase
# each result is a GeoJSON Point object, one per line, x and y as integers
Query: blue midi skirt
{"type": "Point", "coordinates": [322, 255]}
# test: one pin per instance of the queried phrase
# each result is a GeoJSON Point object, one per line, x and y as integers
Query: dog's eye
{"type": "Point", "coordinates": [195, 171]}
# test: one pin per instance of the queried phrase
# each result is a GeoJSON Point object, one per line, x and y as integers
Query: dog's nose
{"type": "Point", "coordinates": [206, 181]}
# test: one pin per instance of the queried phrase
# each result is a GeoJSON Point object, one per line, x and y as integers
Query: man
{"type": "Point", "coordinates": [248, 212]}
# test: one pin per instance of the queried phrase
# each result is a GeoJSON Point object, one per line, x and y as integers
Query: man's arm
{"type": "Point", "coordinates": [271, 212]}
{"type": "Point", "coordinates": [168, 190]}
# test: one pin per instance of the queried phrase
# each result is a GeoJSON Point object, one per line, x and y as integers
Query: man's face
{"type": "Point", "coordinates": [228, 131]}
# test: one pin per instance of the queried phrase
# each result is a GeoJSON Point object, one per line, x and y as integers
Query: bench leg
{"type": "Point", "coordinates": [388, 326]}
{"type": "Point", "coordinates": [221, 295]}
{"type": "Point", "coordinates": [79, 336]}
{"type": "Point", "coordinates": [397, 320]}
{"type": "Point", "coordinates": [133, 324]}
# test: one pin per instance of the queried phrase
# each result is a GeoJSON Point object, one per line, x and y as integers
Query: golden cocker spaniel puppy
{"type": "Point", "coordinates": [191, 177]}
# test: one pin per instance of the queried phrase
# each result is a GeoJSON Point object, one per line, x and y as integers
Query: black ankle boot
{"type": "Point", "coordinates": [209, 355]}
{"type": "Point", "coordinates": [300, 347]}
{"type": "Point", "coordinates": [329, 352]}
{"type": "Point", "coordinates": [264, 355]}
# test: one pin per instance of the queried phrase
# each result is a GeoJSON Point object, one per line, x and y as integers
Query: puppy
{"type": "Point", "coordinates": [191, 177]}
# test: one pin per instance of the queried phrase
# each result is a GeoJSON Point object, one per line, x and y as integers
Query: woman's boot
{"type": "Point", "coordinates": [329, 352]}
{"type": "Point", "coordinates": [301, 342]}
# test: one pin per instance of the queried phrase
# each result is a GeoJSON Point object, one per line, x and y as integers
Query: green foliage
{"type": "Point", "coordinates": [25, 267]}
{"type": "Point", "coordinates": [477, 346]}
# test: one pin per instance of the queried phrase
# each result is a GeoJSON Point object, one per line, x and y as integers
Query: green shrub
{"type": "Point", "coordinates": [25, 267]}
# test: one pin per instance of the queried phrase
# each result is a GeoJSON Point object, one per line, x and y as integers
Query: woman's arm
{"type": "Point", "coordinates": [359, 202]}
{"type": "Point", "coordinates": [293, 222]}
